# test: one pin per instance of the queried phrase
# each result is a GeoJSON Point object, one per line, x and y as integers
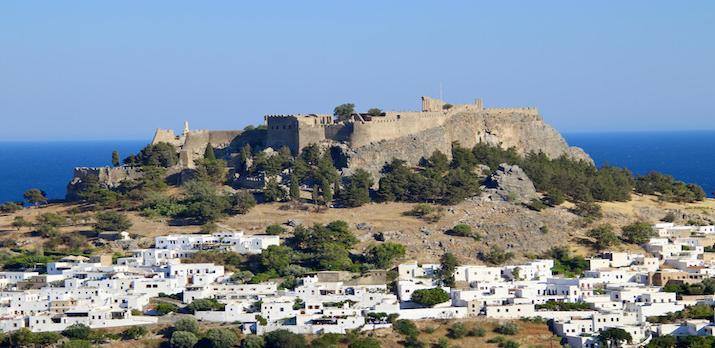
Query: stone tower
{"type": "Point", "coordinates": [186, 128]}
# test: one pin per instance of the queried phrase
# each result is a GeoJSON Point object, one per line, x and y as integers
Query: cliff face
{"type": "Point", "coordinates": [527, 132]}
{"type": "Point", "coordinates": [106, 177]}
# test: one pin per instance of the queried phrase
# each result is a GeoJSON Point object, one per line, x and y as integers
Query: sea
{"type": "Point", "coordinates": [688, 156]}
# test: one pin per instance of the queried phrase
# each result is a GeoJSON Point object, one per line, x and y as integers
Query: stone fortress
{"type": "Point", "coordinates": [367, 141]}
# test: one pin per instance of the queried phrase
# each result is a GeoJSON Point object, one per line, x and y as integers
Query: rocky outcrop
{"type": "Point", "coordinates": [105, 177]}
{"type": "Point", "coordinates": [510, 183]}
{"type": "Point", "coordinates": [525, 131]}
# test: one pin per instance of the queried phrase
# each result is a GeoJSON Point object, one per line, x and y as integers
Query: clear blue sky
{"type": "Point", "coordinates": [119, 69]}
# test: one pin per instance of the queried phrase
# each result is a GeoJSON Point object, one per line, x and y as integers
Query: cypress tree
{"type": "Point", "coordinates": [294, 188]}
{"type": "Point", "coordinates": [209, 153]}
{"type": "Point", "coordinates": [115, 158]}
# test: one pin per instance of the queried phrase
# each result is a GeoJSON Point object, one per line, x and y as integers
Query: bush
{"type": "Point", "coordinates": [464, 230]}
{"type": "Point", "coordinates": [253, 341]}
{"type": "Point", "coordinates": [284, 339]}
{"type": "Point", "coordinates": [603, 236]}
{"type": "Point", "coordinates": [77, 344]}
{"type": "Point", "coordinates": [10, 207]}
{"type": "Point", "coordinates": [430, 297]}
{"type": "Point", "coordinates": [405, 327]}
{"type": "Point", "coordinates": [638, 232]}
{"type": "Point", "coordinates": [166, 308]}
{"type": "Point", "coordinates": [507, 329]}
{"type": "Point", "coordinates": [243, 202]}
{"type": "Point", "coordinates": [536, 205]}
{"type": "Point", "coordinates": [183, 339]}
{"type": "Point", "coordinates": [588, 210]}
{"type": "Point", "coordinates": [221, 338]}
{"type": "Point", "coordinates": [669, 217]}
{"type": "Point", "coordinates": [275, 229]}
{"type": "Point", "coordinates": [134, 333]}
{"type": "Point", "coordinates": [77, 331]}
{"type": "Point", "coordinates": [205, 304]}
{"type": "Point", "coordinates": [382, 255]}
{"type": "Point", "coordinates": [496, 256]}
{"type": "Point", "coordinates": [187, 324]}
{"type": "Point", "coordinates": [477, 331]}
{"type": "Point", "coordinates": [112, 221]}
{"type": "Point", "coordinates": [457, 331]}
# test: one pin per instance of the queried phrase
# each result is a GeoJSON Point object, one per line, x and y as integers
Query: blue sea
{"type": "Point", "coordinates": [48, 165]}
{"type": "Point", "coordinates": [688, 156]}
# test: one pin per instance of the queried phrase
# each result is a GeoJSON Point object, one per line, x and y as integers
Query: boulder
{"type": "Point", "coordinates": [510, 183]}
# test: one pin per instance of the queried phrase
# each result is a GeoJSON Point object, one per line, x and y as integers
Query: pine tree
{"type": "Point", "coordinates": [294, 188]}
{"type": "Point", "coordinates": [327, 192]}
{"type": "Point", "coordinates": [209, 153]}
{"type": "Point", "coordinates": [115, 158]}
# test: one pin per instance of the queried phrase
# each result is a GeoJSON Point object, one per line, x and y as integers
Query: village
{"type": "Point", "coordinates": [619, 290]}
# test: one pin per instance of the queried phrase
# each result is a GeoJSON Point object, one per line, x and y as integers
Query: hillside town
{"type": "Point", "coordinates": [617, 290]}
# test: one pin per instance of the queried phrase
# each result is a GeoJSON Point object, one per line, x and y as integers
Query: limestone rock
{"type": "Point", "coordinates": [105, 177]}
{"type": "Point", "coordinates": [510, 183]}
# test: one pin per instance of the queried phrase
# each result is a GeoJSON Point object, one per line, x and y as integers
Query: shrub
{"type": "Point", "coordinates": [284, 339]}
{"type": "Point", "coordinates": [10, 207]}
{"type": "Point", "coordinates": [77, 331]}
{"type": "Point", "coordinates": [603, 236]}
{"type": "Point", "coordinates": [496, 256]}
{"type": "Point", "coordinates": [77, 344]}
{"type": "Point", "coordinates": [183, 339]}
{"type": "Point", "coordinates": [275, 229]}
{"type": "Point", "coordinates": [638, 232]}
{"type": "Point", "coordinates": [536, 205]}
{"type": "Point", "coordinates": [477, 331]}
{"type": "Point", "coordinates": [422, 209]}
{"type": "Point", "coordinates": [243, 202]}
{"type": "Point", "coordinates": [166, 308]}
{"type": "Point", "coordinates": [253, 341]}
{"type": "Point", "coordinates": [205, 304]}
{"type": "Point", "coordinates": [405, 327]}
{"type": "Point", "coordinates": [669, 217]}
{"type": "Point", "coordinates": [588, 210]}
{"type": "Point", "coordinates": [457, 331]}
{"type": "Point", "coordinates": [221, 338]}
{"type": "Point", "coordinates": [134, 332]}
{"type": "Point", "coordinates": [442, 342]}
{"type": "Point", "coordinates": [187, 324]}
{"type": "Point", "coordinates": [430, 297]}
{"type": "Point", "coordinates": [507, 329]}
{"type": "Point", "coordinates": [112, 221]}
{"type": "Point", "coordinates": [382, 255]}
{"type": "Point", "coordinates": [464, 230]}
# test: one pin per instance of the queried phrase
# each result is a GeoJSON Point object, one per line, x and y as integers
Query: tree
{"type": "Point", "coordinates": [457, 331]}
{"type": "Point", "coordinates": [277, 257]}
{"type": "Point", "coordinates": [357, 188]}
{"type": "Point", "coordinates": [275, 230]}
{"type": "Point", "coordinates": [166, 308]}
{"type": "Point", "coordinates": [221, 338]}
{"type": "Point", "coordinates": [273, 191]}
{"type": "Point", "coordinates": [430, 297]}
{"type": "Point", "coordinates": [77, 331]}
{"type": "Point", "coordinates": [334, 257]}
{"type": "Point", "coordinates": [253, 341]}
{"type": "Point", "coordinates": [160, 155]}
{"type": "Point", "coordinates": [35, 196]}
{"type": "Point", "coordinates": [327, 191]}
{"type": "Point", "coordinates": [183, 339]}
{"type": "Point", "coordinates": [448, 264]}
{"type": "Point", "coordinates": [496, 255]}
{"type": "Point", "coordinates": [10, 207]}
{"type": "Point", "coordinates": [405, 327]}
{"type": "Point", "coordinates": [284, 339]}
{"type": "Point", "coordinates": [77, 344]}
{"type": "Point", "coordinates": [588, 210]}
{"type": "Point", "coordinates": [374, 112]}
{"type": "Point", "coordinates": [19, 222]}
{"type": "Point", "coordinates": [294, 189]}
{"type": "Point", "coordinates": [209, 153]}
{"type": "Point", "coordinates": [344, 111]}
{"type": "Point", "coordinates": [187, 324]}
{"type": "Point", "coordinates": [243, 201]}
{"type": "Point", "coordinates": [111, 221]}
{"type": "Point", "coordinates": [507, 329]}
{"type": "Point", "coordinates": [134, 332]}
{"type": "Point", "coordinates": [382, 255]}
{"type": "Point", "coordinates": [115, 158]}
{"type": "Point", "coordinates": [22, 338]}
{"type": "Point", "coordinates": [212, 170]}
{"type": "Point", "coordinates": [638, 232]}
{"type": "Point", "coordinates": [614, 336]}
{"type": "Point", "coordinates": [603, 236]}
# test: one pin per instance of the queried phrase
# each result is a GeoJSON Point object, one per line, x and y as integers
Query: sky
{"type": "Point", "coordinates": [85, 70]}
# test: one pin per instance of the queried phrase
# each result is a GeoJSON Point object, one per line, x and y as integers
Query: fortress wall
{"type": "Point", "coordinates": [310, 135]}
{"type": "Point", "coordinates": [338, 132]}
{"type": "Point", "coordinates": [221, 139]}
{"type": "Point", "coordinates": [166, 136]}
{"type": "Point", "coordinates": [525, 131]}
{"type": "Point", "coordinates": [282, 131]}
{"type": "Point", "coordinates": [395, 125]}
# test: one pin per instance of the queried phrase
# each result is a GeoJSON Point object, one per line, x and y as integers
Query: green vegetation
{"type": "Point", "coordinates": [699, 311]}
{"type": "Point", "coordinates": [507, 329]}
{"type": "Point", "coordinates": [187, 324]}
{"type": "Point", "coordinates": [603, 236]}
{"type": "Point", "coordinates": [496, 255]}
{"type": "Point", "coordinates": [253, 341]}
{"type": "Point", "coordinates": [10, 207]}
{"type": "Point", "coordinates": [448, 264]}
{"type": "Point", "coordinates": [343, 111]}
{"type": "Point", "coordinates": [668, 189]}
{"type": "Point", "coordinates": [564, 306]}
{"type": "Point", "coordinates": [115, 158]}
{"type": "Point", "coordinates": [382, 255]}
{"type": "Point", "coordinates": [111, 221]}
{"type": "Point", "coordinates": [220, 338]}
{"type": "Point", "coordinates": [614, 336]}
{"type": "Point", "coordinates": [565, 264]}
{"type": "Point", "coordinates": [275, 229]}
{"type": "Point", "coordinates": [638, 232]}
{"type": "Point", "coordinates": [464, 230]}
{"type": "Point", "coordinates": [284, 338]}
{"type": "Point", "coordinates": [205, 304]}
{"type": "Point", "coordinates": [159, 155]}
{"type": "Point", "coordinates": [405, 327]}
{"type": "Point", "coordinates": [430, 297]}
{"type": "Point", "coordinates": [166, 308]}
{"type": "Point", "coordinates": [134, 332]}
{"type": "Point", "coordinates": [706, 287]}
{"type": "Point", "coordinates": [183, 339]}
{"type": "Point", "coordinates": [35, 196]}
{"type": "Point", "coordinates": [357, 188]}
